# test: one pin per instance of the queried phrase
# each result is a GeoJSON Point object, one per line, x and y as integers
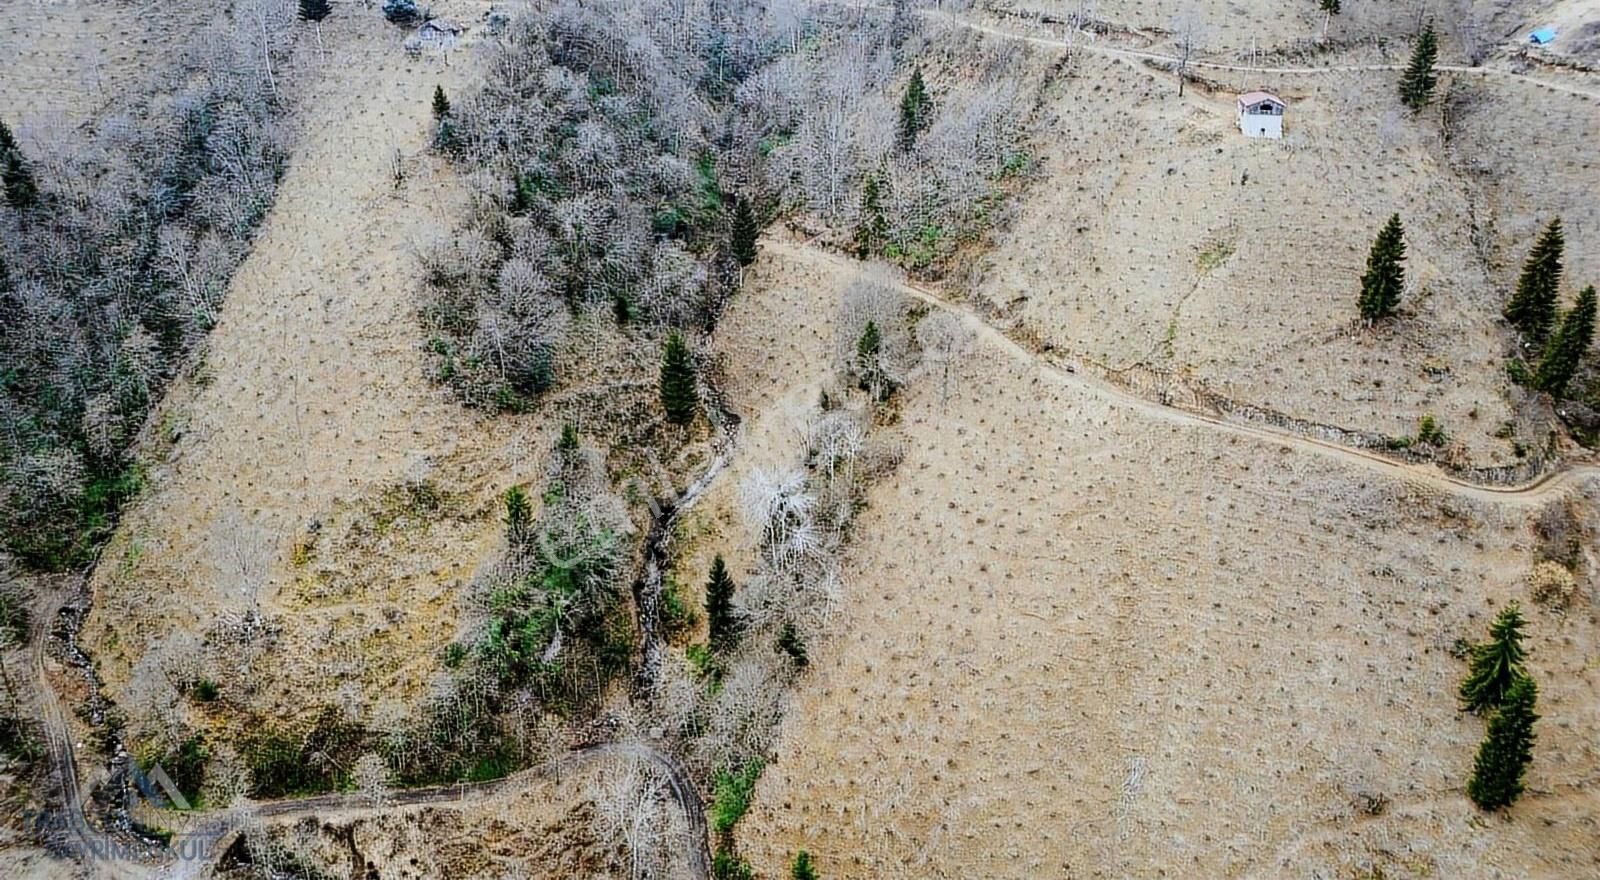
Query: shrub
{"type": "Point", "coordinates": [731, 796]}
{"type": "Point", "coordinates": [402, 12]}
{"type": "Point", "coordinates": [1429, 432]}
{"type": "Point", "coordinates": [727, 865]}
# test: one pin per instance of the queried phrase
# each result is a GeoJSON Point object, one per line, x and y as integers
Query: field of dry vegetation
{"type": "Point", "coordinates": [377, 424]}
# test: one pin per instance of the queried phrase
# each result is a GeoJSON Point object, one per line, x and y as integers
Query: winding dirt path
{"type": "Point", "coordinates": [86, 841]}
{"type": "Point", "coordinates": [1133, 55]}
{"type": "Point", "coordinates": [1534, 492]}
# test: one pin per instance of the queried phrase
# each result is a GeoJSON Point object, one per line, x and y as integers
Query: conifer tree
{"type": "Point", "coordinates": [724, 628]}
{"type": "Point", "coordinates": [1385, 277]}
{"type": "Point", "coordinates": [523, 194]}
{"type": "Point", "coordinates": [15, 176]}
{"type": "Point", "coordinates": [678, 395]}
{"type": "Point", "coordinates": [1566, 348]}
{"type": "Point", "coordinates": [1329, 6]}
{"type": "Point", "coordinates": [871, 226]}
{"type": "Point", "coordinates": [519, 516]}
{"type": "Point", "coordinates": [1507, 748]}
{"type": "Point", "coordinates": [914, 111]}
{"type": "Point", "coordinates": [441, 104]}
{"type": "Point", "coordinates": [315, 10]}
{"type": "Point", "coordinates": [1496, 663]}
{"type": "Point", "coordinates": [789, 642]}
{"type": "Point", "coordinates": [745, 232]}
{"type": "Point", "coordinates": [1532, 308]}
{"type": "Point", "coordinates": [569, 438]}
{"type": "Point", "coordinates": [869, 357]}
{"type": "Point", "coordinates": [1416, 84]}
{"type": "Point", "coordinates": [802, 868]}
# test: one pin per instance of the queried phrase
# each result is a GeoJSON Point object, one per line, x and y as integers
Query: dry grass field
{"type": "Point", "coordinates": [66, 60]}
{"type": "Point", "coordinates": [284, 466]}
{"type": "Point", "coordinates": [1078, 638]}
{"type": "Point", "coordinates": [1080, 643]}
{"type": "Point", "coordinates": [1166, 238]}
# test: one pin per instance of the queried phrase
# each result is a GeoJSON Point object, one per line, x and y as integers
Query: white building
{"type": "Point", "coordinates": [1261, 115]}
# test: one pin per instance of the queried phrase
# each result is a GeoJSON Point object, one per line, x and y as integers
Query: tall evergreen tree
{"type": "Point", "coordinates": [1566, 348]}
{"type": "Point", "coordinates": [803, 868]}
{"type": "Point", "coordinates": [441, 104]}
{"type": "Point", "coordinates": [745, 232]}
{"type": "Point", "coordinates": [1385, 277]}
{"type": "Point", "coordinates": [869, 356]}
{"type": "Point", "coordinates": [519, 516]}
{"type": "Point", "coordinates": [1495, 663]}
{"type": "Point", "coordinates": [871, 226]}
{"type": "Point", "coordinates": [15, 176]}
{"type": "Point", "coordinates": [1507, 748]}
{"type": "Point", "coordinates": [1532, 308]}
{"type": "Point", "coordinates": [1416, 84]}
{"type": "Point", "coordinates": [915, 109]}
{"type": "Point", "coordinates": [723, 626]}
{"type": "Point", "coordinates": [315, 10]}
{"type": "Point", "coordinates": [678, 396]}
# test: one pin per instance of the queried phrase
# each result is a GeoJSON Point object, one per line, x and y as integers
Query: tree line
{"type": "Point", "coordinates": [115, 251]}
{"type": "Point", "coordinates": [1560, 340]}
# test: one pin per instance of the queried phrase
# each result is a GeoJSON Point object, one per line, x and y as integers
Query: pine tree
{"type": "Point", "coordinates": [678, 396]}
{"type": "Point", "coordinates": [789, 642]}
{"type": "Point", "coordinates": [914, 111]}
{"type": "Point", "coordinates": [871, 226]}
{"type": "Point", "coordinates": [519, 516]}
{"type": "Point", "coordinates": [1566, 348]}
{"type": "Point", "coordinates": [15, 176]}
{"type": "Point", "coordinates": [1507, 748]}
{"type": "Point", "coordinates": [315, 10]}
{"type": "Point", "coordinates": [869, 360]}
{"type": "Point", "coordinates": [441, 104]}
{"type": "Point", "coordinates": [1416, 84]}
{"type": "Point", "coordinates": [1496, 663]}
{"type": "Point", "coordinates": [1330, 6]}
{"type": "Point", "coordinates": [724, 628]}
{"type": "Point", "coordinates": [523, 194]}
{"type": "Point", "coordinates": [745, 232]}
{"type": "Point", "coordinates": [1385, 277]}
{"type": "Point", "coordinates": [1532, 308]}
{"type": "Point", "coordinates": [802, 868]}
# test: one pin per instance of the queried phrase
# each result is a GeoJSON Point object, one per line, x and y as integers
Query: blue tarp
{"type": "Point", "coordinates": [1542, 36]}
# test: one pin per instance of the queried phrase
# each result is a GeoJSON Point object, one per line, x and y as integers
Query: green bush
{"type": "Point", "coordinates": [731, 795]}
{"type": "Point", "coordinates": [726, 865]}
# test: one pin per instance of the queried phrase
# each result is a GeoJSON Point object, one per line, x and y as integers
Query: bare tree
{"type": "Point", "coordinates": [1188, 34]}
{"type": "Point", "coordinates": [242, 554]}
{"type": "Point", "coordinates": [945, 340]}
{"type": "Point", "coordinates": [629, 800]}
{"type": "Point", "coordinates": [372, 779]}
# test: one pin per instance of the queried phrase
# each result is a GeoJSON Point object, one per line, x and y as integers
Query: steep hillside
{"type": "Point", "coordinates": [292, 469]}
{"type": "Point", "coordinates": [1080, 642]}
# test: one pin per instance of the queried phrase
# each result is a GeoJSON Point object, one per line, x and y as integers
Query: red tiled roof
{"type": "Point", "coordinates": [1257, 97]}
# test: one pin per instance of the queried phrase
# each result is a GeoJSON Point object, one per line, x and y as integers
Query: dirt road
{"type": "Point", "coordinates": [86, 840]}
{"type": "Point", "coordinates": [959, 20]}
{"type": "Point", "coordinates": [1533, 493]}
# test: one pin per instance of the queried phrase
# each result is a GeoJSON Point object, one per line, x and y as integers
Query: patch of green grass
{"type": "Point", "coordinates": [676, 615]}
{"type": "Point", "coordinates": [731, 795]}
{"type": "Point", "coordinates": [1214, 254]}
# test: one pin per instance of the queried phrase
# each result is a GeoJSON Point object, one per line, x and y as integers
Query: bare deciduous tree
{"type": "Point", "coordinates": [945, 340]}
{"type": "Point", "coordinates": [1188, 34]}
{"type": "Point", "coordinates": [629, 801]}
